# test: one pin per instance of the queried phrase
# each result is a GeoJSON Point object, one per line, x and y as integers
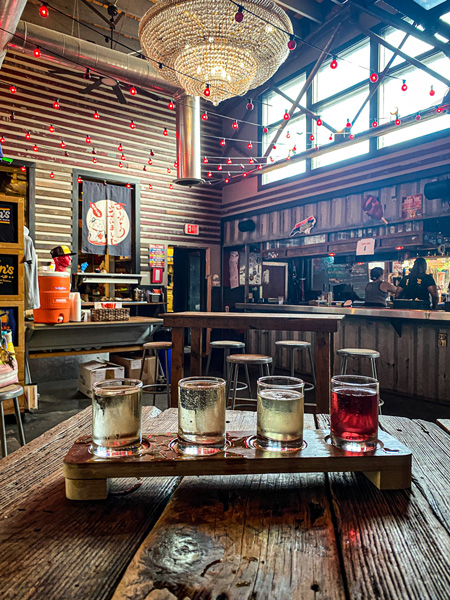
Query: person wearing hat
{"type": "Point", "coordinates": [62, 257]}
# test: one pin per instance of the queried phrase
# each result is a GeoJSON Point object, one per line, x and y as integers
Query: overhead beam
{"type": "Point", "coordinates": [401, 24]}
{"type": "Point", "coordinates": [440, 9]}
{"type": "Point", "coordinates": [303, 109]}
{"type": "Point", "coordinates": [421, 16]}
{"type": "Point", "coordinates": [410, 59]}
{"type": "Point", "coordinates": [305, 8]}
{"type": "Point", "coordinates": [307, 84]}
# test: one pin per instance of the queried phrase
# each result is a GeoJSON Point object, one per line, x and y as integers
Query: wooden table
{"type": "Point", "coordinates": [44, 340]}
{"type": "Point", "coordinates": [322, 325]}
{"type": "Point", "coordinates": [245, 537]}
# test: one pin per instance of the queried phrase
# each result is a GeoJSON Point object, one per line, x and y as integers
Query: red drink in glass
{"type": "Point", "coordinates": [354, 413]}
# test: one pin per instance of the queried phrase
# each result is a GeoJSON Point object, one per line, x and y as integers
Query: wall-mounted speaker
{"type": "Point", "coordinates": [437, 189]}
{"type": "Point", "coordinates": [248, 225]}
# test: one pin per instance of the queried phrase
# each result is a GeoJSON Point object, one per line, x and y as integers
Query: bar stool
{"type": "Point", "coordinates": [11, 392]}
{"type": "Point", "coordinates": [226, 346]}
{"type": "Point", "coordinates": [235, 360]}
{"type": "Point", "coordinates": [292, 346]}
{"type": "Point", "coordinates": [372, 355]}
{"type": "Point", "coordinates": [153, 349]}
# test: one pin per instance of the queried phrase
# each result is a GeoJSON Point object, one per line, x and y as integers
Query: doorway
{"type": "Point", "coordinates": [189, 282]}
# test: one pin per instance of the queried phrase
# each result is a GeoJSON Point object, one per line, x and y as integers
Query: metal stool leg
{"type": "Point", "coordinates": [167, 377]}
{"type": "Point", "coordinates": [313, 370]}
{"type": "Point", "coordinates": [235, 382]}
{"type": "Point", "coordinates": [3, 432]}
{"type": "Point", "coordinates": [374, 368]}
{"type": "Point", "coordinates": [292, 361]}
{"type": "Point", "coordinates": [344, 365]}
{"type": "Point", "coordinates": [274, 363]}
{"type": "Point", "coordinates": [267, 369]}
{"type": "Point", "coordinates": [228, 385]}
{"type": "Point", "coordinates": [19, 422]}
{"type": "Point", "coordinates": [226, 366]}
{"type": "Point", "coordinates": [208, 362]}
{"type": "Point", "coordinates": [144, 354]}
{"type": "Point", "coordinates": [247, 376]}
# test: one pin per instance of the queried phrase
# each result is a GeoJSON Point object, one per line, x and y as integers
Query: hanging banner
{"type": "Point", "coordinates": [106, 219]}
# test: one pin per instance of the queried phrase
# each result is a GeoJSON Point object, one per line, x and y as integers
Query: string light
{"type": "Point", "coordinates": [286, 116]}
{"type": "Point", "coordinates": [209, 174]}
{"type": "Point", "coordinates": [432, 92]}
{"type": "Point", "coordinates": [259, 167]}
{"type": "Point", "coordinates": [251, 161]}
{"type": "Point", "coordinates": [165, 132]}
{"type": "Point", "coordinates": [133, 90]}
{"type": "Point", "coordinates": [12, 89]}
{"type": "Point", "coordinates": [418, 117]}
{"type": "Point", "coordinates": [37, 52]}
{"type": "Point", "coordinates": [205, 160]}
{"type": "Point", "coordinates": [23, 169]}
{"type": "Point", "coordinates": [175, 164]}
{"type": "Point", "coordinates": [374, 77]}
{"type": "Point", "coordinates": [128, 185]}
{"type": "Point", "coordinates": [87, 74]}
{"type": "Point", "coordinates": [229, 161]}
{"type": "Point", "coordinates": [120, 165]}
{"type": "Point", "coordinates": [244, 174]}
{"type": "Point", "coordinates": [12, 116]}
{"type": "Point", "coordinates": [348, 124]}
{"type": "Point", "coordinates": [120, 147]}
{"type": "Point", "coordinates": [170, 186]}
{"type": "Point", "coordinates": [27, 135]}
{"type": "Point", "coordinates": [52, 175]}
{"type": "Point", "coordinates": [171, 105]}
{"type": "Point", "coordinates": [331, 138]}
{"type": "Point", "coordinates": [397, 121]}
{"type": "Point", "coordinates": [132, 125]}
{"type": "Point", "coordinates": [2, 140]}
{"type": "Point", "coordinates": [249, 146]}
{"type": "Point", "coordinates": [94, 160]}
{"type": "Point", "coordinates": [51, 129]}
{"type": "Point", "coordinates": [239, 15]}
{"type": "Point", "coordinates": [144, 168]}
{"type": "Point", "coordinates": [88, 140]}
{"type": "Point", "coordinates": [152, 153]}
{"type": "Point", "coordinates": [207, 90]}
{"type": "Point", "coordinates": [62, 144]}
{"type": "Point", "coordinates": [274, 147]}
{"type": "Point", "coordinates": [334, 63]}
{"type": "Point", "coordinates": [56, 104]}
{"type": "Point", "coordinates": [404, 86]}
{"type": "Point", "coordinates": [351, 136]}
{"type": "Point", "coordinates": [35, 148]}
{"type": "Point", "coordinates": [96, 115]}
{"type": "Point", "coordinates": [288, 135]}
{"type": "Point", "coordinates": [79, 180]}
{"type": "Point", "coordinates": [219, 167]}
{"type": "Point", "coordinates": [150, 187]}
{"type": "Point", "coordinates": [205, 116]}
{"type": "Point", "coordinates": [265, 130]}
{"type": "Point", "coordinates": [43, 10]}
{"type": "Point", "coordinates": [311, 137]}
{"type": "Point", "coordinates": [439, 109]}
{"type": "Point", "coordinates": [292, 44]}
{"type": "Point", "coordinates": [222, 142]}
{"type": "Point", "coordinates": [150, 162]}
{"type": "Point", "coordinates": [374, 123]}
{"type": "Point", "coordinates": [227, 180]}
{"type": "Point", "coordinates": [122, 157]}
{"type": "Point", "coordinates": [168, 171]}
{"type": "Point", "coordinates": [319, 121]}
{"type": "Point", "coordinates": [235, 125]}
{"type": "Point", "coordinates": [250, 105]}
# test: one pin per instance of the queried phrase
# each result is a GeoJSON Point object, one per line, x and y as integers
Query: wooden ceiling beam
{"type": "Point", "coordinates": [305, 8]}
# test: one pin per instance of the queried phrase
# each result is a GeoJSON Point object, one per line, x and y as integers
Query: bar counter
{"type": "Point", "coordinates": [414, 345]}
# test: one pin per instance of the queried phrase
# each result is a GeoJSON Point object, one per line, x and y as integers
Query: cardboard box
{"type": "Point", "coordinates": [132, 362]}
{"type": "Point", "coordinates": [94, 371]}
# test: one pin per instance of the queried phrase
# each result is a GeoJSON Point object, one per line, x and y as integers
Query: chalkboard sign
{"type": "Point", "coordinates": [8, 222]}
{"type": "Point", "coordinates": [9, 271]}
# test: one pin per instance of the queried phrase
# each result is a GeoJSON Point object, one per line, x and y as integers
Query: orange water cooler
{"type": "Point", "coordinates": [54, 289]}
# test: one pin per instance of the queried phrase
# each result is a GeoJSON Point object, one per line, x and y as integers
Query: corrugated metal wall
{"type": "Point", "coordinates": [163, 211]}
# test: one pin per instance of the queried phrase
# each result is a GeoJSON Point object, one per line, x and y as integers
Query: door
{"type": "Point", "coordinates": [189, 283]}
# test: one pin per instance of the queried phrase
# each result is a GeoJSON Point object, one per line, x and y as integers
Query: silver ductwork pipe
{"type": "Point", "coordinates": [10, 13]}
{"type": "Point", "coordinates": [189, 168]}
{"type": "Point", "coordinates": [62, 49]}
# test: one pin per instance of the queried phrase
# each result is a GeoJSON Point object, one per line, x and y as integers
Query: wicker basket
{"type": "Point", "coordinates": [110, 314]}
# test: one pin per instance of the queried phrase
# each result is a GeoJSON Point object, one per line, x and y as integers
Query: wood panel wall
{"type": "Point", "coordinates": [339, 213]}
{"type": "Point", "coordinates": [163, 211]}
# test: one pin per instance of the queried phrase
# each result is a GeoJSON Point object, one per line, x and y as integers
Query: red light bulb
{"type": "Point", "coordinates": [374, 123]}
{"type": "Point", "coordinates": [12, 116]}
{"type": "Point", "coordinates": [12, 89]}
{"type": "Point", "coordinates": [205, 116]}
{"type": "Point", "coordinates": [207, 91]}
{"type": "Point", "coordinates": [229, 161]}
{"type": "Point", "coordinates": [439, 109]}
{"type": "Point", "coordinates": [51, 129]}
{"type": "Point", "coordinates": [418, 117]}
{"type": "Point", "coordinates": [319, 121]}
{"type": "Point", "coordinates": [165, 132]}
{"type": "Point", "coordinates": [286, 116]}
{"type": "Point", "coordinates": [239, 15]}
{"type": "Point", "coordinates": [150, 187]}
{"type": "Point", "coordinates": [88, 140]}
{"type": "Point", "coordinates": [52, 175]}
{"type": "Point", "coordinates": [274, 147]}
{"type": "Point", "coordinates": [27, 135]}
{"type": "Point", "coordinates": [250, 105]}
{"type": "Point", "coordinates": [133, 91]}
{"type": "Point", "coordinates": [397, 121]}
{"type": "Point", "coordinates": [120, 165]}
{"type": "Point", "coordinates": [334, 63]}
{"type": "Point", "coordinates": [374, 77]}
{"type": "Point", "coordinates": [175, 164]}
{"type": "Point", "coordinates": [244, 174]}
{"type": "Point", "coordinates": [62, 144]}
{"type": "Point", "coordinates": [122, 157]}
{"type": "Point", "coordinates": [331, 138]}
{"type": "Point", "coordinates": [96, 115]}
{"type": "Point", "coordinates": [227, 180]}
{"type": "Point", "coordinates": [292, 44]}
{"type": "Point", "coordinates": [348, 124]}
{"type": "Point", "coordinates": [128, 185]}
{"type": "Point", "coordinates": [35, 148]}
{"type": "Point", "coordinates": [150, 162]}
{"type": "Point", "coordinates": [265, 130]}
{"type": "Point", "coordinates": [132, 125]}
{"type": "Point", "coordinates": [37, 52]}
{"type": "Point", "coordinates": [170, 186]}
{"type": "Point", "coordinates": [288, 135]}
{"type": "Point", "coordinates": [43, 11]}
{"type": "Point", "coordinates": [432, 92]}
{"type": "Point", "coordinates": [249, 146]}
{"type": "Point", "coordinates": [23, 168]}
{"type": "Point", "coordinates": [120, 147]}
{"type": "Point", "coordinates": [222, 142]}
{"type": "Point", "coordinates": [235, 125]}
{"type": "Point", "coordinates": [2, 140]}
{"type": "Point", "coordinates": [351, 136]}
{"type": "Point", "coordinates": [79, 180]}
{"type": "Point", "coordinates": [404, 86]}
{"type": "Point", "coordinates": [251, 161]}
{"type": "Point", "coordinates": [209, 174]}
{"type": "Point", "coordinates": [171, 105]}
{"type": "Point", "coordinates": [259, 167]}
{"type": "Point", "coordinates": [56, 104]}
{"type": "Point", "coordinates": [94, 160]}
{"type": "Point", "coordinates": [311, 137]}
{"type": "Point", "coordinates": [205, 160]}
{"type": "Point", "coordinates": [272, 159]}
{"type": "Point", "coordinates": [219, 168]}
{"type": "Point", "coordinates": [168, 171]}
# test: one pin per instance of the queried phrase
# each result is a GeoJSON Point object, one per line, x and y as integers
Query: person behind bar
{"type": "Point", "coordinates": [377, 290]}
{"type": "Point", "coordinates": [419, 285]}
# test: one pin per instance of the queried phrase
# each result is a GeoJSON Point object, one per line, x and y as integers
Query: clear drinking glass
{"type": "Point", "coordinates": [280, 413]}
{"type": "Point", "coordinates": [117, 417]}
{"type": "Point", "coordinates": [201, 415]}
{"type": "Point", "coordinates": [354, 412]}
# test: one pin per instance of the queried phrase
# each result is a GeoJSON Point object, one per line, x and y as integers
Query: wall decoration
{"type": "Point", "coordinates": [372, 207]}
{"type": "Point", "coordinates": [304, 226]}
{"type": "Point", "coordinates": [9, 283]}
{"type": "Point", "coordinates": [412, 206]}
{"type": "Point", "coordinates": [157, 256]}
{"type": "Point", "coordinates": [365, 247]}
{"type": "Point", "coordinates": [233, 265]}
{"type": "Point", "coordinates": [8, 222]}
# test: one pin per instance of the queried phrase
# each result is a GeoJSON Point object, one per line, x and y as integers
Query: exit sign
{"type": "Point", "coordinates": [191, 229]}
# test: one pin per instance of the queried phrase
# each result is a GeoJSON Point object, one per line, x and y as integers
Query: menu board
{"type": "Point", "coordinates": [157, 256]}
{"type": "Point", "coordinates": [9, 283]}
{"type": "Point", "coordinates": [412, 206]}
{"type": "Point", "coordinates": [8, 222]}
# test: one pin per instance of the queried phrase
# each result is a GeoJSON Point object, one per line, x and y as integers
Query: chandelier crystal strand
{"type": "Point", "coordinates": [201, 43]}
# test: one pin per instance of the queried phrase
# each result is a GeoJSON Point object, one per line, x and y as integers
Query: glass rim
{"type": "Point", "coordinates": [213, 381]}
{"type": "Point", "coordinates": [265, 381]}
{"type": "Point", "coordinates": [121, 386]}
{"type": "Point", "coordinates": [359, 380]}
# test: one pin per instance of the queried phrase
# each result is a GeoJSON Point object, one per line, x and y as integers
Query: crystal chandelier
{"type": "Point", "coordinates": [199, 43]}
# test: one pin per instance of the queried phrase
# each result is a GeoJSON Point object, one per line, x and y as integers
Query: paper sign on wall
{"type": "Point", "coordinates": [365, 247]}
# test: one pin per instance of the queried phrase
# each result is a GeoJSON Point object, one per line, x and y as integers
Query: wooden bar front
{"type": "Point", "coordinates": [323, 326]}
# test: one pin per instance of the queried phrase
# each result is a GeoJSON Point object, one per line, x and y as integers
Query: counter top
{"type": "Point", "coordinates": [387, 313]}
